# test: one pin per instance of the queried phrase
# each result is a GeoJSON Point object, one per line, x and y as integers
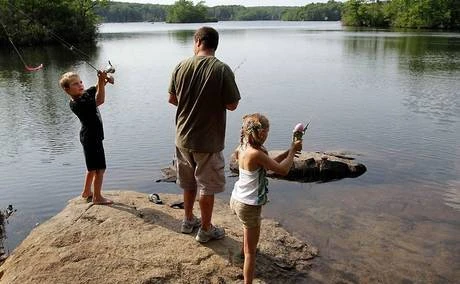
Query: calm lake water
{"type": "Point", "coordinates": [391, 99]}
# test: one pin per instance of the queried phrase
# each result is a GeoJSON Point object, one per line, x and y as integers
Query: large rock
{"type": "Point", "coordinates": [307, 167]}
{"type": "Point", "coordinates": [137, 241]}
{"type": "Point", "coordinates": [315, 166]}
{"type": "Point", "coordinates": [4, 215]}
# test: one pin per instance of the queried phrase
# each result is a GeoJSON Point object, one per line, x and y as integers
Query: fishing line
{"type": "Point", "coordinates": [28, 68]}
{"type": "Point", "coordinates": [83, 56]}
{"type": "Point", "coordinates": [239, 65]}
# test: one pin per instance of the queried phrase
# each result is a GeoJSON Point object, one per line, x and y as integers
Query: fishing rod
{"type": "Point", "coordinates": [239, 65]}
{"type": "Point", "coordinates": [28, 68]}
{"type": "Point", "coordinates": [82, 55]}
{"type": "Point", "coordinates": [299, 131]}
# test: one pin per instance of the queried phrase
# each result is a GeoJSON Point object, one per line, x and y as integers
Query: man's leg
{"type": "Point", "coordinates": [206, 207]}
{"type": "Point", "coordinates": [189, 201]}
{"type": "Point", "coordinates": [186, 180]}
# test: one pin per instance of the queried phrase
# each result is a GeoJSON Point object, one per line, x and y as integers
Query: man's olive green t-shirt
{"type": "Point", "coordinates": [203, 86]}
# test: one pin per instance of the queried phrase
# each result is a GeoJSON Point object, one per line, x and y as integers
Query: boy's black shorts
{"type": "Point", "coordinates": [94, 155]}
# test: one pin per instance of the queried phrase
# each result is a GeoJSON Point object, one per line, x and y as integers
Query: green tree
{"type": "Point", "coordinates": [353, 13]}
{"type": "Point", "coordinates": [330, 11]}
{"type": "Point", "coordinates": [42, 21]}
{"type": "Point", "coordinates": [403, 13]}
{"type": "Point", "coordinates": [184, 11]}
{"type": "Point", "coordinates": [132, 12]}
{"type": "Point", "coordinates": [256, 14]}
{"type": "Point", "coordinates": [421, 13]}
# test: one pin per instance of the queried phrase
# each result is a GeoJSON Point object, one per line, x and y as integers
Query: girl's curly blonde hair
{"type": "Point", "coordinates": [251, 129]}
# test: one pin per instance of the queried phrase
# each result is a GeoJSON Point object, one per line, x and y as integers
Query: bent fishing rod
{"type": "Point", "coordinates": [28, 68]}
{"type": "Point", "coordinates": [83, 56]}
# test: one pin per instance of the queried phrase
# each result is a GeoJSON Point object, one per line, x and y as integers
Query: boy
{"type": "Point", "coordinates": [84, 103]}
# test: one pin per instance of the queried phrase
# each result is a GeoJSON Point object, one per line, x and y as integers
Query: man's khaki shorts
{"type": "Point", "coordinates": [200, 171]}
{"type": "Point", "coordinates": [249, 215]}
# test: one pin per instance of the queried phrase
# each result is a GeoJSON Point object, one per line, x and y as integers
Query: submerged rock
{"type": "Point", "coordinates": [137, 241]}
{"type": "Point", "coordinates": [315, 166]}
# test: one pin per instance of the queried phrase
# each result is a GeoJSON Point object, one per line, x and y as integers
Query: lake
{"type": "Point", "coordinates": [389, 99]}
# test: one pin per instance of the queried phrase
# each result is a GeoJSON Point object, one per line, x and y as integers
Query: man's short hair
{"type": "Point", "coordinates": [209, 37]}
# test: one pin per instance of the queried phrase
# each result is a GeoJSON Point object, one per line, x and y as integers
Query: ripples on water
{"type": "Point", "coordinates": [452, 194]}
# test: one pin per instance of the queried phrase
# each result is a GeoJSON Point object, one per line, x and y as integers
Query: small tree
{"type": "Point", "coordinates": [39, 21]}
{"type": "Point", "coordinates": [184, 11]}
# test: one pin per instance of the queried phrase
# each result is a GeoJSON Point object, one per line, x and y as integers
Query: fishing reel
{"type": "Point", "coordinates": [299, 131]}
{"type": "Point", "coordinates": [110, 70]}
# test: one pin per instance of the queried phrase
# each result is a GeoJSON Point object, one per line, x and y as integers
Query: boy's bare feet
{"type": "Point", "coordinates": [102, 201]}
{"type": "Point", "coordinates": [87, 197]}
{"type": "Point", "coordinates": [86, 194]}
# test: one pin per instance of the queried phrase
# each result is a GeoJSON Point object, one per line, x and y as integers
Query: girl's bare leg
{"type": "Point", "coordinates": [250, 240]}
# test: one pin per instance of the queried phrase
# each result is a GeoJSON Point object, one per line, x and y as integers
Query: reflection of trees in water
{"type": "Point", "coordinates": [184, 37]}
{"type": "Point", "coordinates": [433, 65]}
{"type": "Point", "coordinates": [33, 108]}
{"type": "Point", "coordinates": [428, 65]}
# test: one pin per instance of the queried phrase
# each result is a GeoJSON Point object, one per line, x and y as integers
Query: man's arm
{"type": "Point", "coordinates": [172, 99]}
{"type": "Point", "coordinates": [231, 94]}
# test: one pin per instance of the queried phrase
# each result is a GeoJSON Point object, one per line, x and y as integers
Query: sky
{"type": "Point", "coordinates": [247, 3]}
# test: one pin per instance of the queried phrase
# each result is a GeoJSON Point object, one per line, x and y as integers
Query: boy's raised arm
{"type": "Point", "coordinates": [100, 87]}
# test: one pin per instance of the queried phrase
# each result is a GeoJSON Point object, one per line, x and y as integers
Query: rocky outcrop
{"type": "Point", "coordinates": [307, 167]}
{"type": "Point", "coordinates": [137, 241]}
{"type": "Point", "coordinates": [4, 215]}
{"type": "Point", "coordinates": [315, 166]}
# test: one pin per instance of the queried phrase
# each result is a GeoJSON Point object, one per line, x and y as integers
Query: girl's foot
{"type": "Point", "coordinates": [102, 201]}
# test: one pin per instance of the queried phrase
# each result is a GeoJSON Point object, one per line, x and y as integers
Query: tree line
{"type": "Point", "coordinates": [75, 21]}
{"type": "Point", "coordinates": [426, 14]}
{"type": "Point", "coordinates": [28, 22]}
{"type": "Point", "coordinates": [184, 11]}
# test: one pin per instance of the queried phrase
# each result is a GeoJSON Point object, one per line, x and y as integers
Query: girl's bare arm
{"type": "Point", "coordinates": [280, 167]}
{"type": "Point", "coordinates": [281, 156]}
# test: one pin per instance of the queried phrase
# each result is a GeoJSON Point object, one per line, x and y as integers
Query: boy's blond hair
{"type": "Point", "coordinates": [66, 78]}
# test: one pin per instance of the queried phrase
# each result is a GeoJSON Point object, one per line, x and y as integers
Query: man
{"type": "Point", "coordinates": [203, 88]}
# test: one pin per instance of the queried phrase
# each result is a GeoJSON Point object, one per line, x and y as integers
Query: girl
{"type": "Point", "coordinates": [250, 191]}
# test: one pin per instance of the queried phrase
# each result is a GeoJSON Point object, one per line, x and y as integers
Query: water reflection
{"type": "Point", "coordinates": [33, 107]}
{"type": "Point", "coordinates": [428, 65]}
{"type": "Point", "coordinates": [452, 194]}
{"type": "Point", "coordinates": [184, 37]}
{"type": "Point", "coordinates": [433, 66]}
